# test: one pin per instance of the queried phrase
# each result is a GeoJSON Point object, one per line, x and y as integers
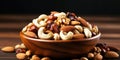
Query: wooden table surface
{"type": "Point", "coordinates": [11, 25]}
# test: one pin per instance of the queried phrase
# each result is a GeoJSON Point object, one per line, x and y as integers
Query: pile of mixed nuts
{"type": "Point", "coordinates": [22, 53]}
{"type": "Point", "coordinates": [60, 26]}
{"type": "Point", "coordinates": [99, 52]}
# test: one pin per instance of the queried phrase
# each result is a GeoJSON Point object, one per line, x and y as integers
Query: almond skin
{"type": "Point", "coordinates": [8, 49]}
{"type": "Point", "coordinates": [67, 28]}
{"type": "Point", "coordinates": [111, 54]}
{"type": "Point", "coordinates": [78, 36]}
{"type": "Point", "coordinates": [30, 34]}
{"type": "Point", "coordinates": [83, 21]}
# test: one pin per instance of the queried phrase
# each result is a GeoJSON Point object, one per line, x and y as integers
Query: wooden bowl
{"type": "Point", "coordinates": [59, 48]}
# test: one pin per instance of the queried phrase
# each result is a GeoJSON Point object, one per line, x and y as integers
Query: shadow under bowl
{"type": "Point", "coordinates": [59, 48]}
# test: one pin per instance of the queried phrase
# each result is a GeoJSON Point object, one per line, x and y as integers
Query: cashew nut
{"type": "Point", "coordinates": [79, 28]}
{"type": "Point", "coordinates": [43, 35]}
{"type": "Point", "coordinates": [26, 27]}
{"type": "Point", "coordinates": [56, 36]}
{"type": "Point", "coordinates": [66, 36]}
{"type": "Point", "coordinates": [42, 17]}
{"type": "Point", "coordinates": [40, 21]}
{"type": "Point", "coordinates": [60, 15]}
{"type": "Point", "coordinates": [87, 32]}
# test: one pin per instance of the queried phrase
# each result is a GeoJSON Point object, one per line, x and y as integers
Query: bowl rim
{"type": "Point", "coordinates": [45, 40]}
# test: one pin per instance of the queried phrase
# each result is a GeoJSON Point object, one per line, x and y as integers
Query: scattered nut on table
{"type": "Point", "coordinates": [98, 57]}
{"type": "Point", "coordinates": [35, 57]}
{"type": "Point", "coordinates": [45, 58]}
{"type": "Point", "coordinates": [95, 54]}
{"type": "Point", "coordinates": [111, 54]}
{"type": "Point", "coordinates": [8, 49]}
{"type": "Point", "coordinates": [21, 56]}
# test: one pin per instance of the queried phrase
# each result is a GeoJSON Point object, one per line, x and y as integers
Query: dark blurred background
{"type": "Point", "coordinates": [107, 7]}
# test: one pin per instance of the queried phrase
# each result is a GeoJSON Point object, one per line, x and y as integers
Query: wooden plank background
{"type": "Point", "coordinates": [12, 24]}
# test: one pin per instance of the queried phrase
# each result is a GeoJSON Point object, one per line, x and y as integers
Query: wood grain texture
{"type": "Point", "coordinates": [11, 25]}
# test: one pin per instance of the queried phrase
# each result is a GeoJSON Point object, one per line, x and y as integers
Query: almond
{"type": "Point", "coordinates": [8, 49]}
{"type": "Point", "coordinates": [75, 22]}
{"type": "Point", "coordinates": [30, 34]}
{"type": "Point", "coordinates": [67, 28]}
{"type": "Point", "coordinates": [111, 54]}
{"type": "Point", "coordinates": [83, 21]}
{"type": "Point", "coordinates": [78, 36]}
